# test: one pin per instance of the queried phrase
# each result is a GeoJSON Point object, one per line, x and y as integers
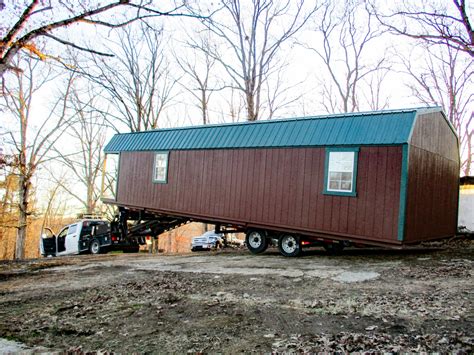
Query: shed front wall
{"type": "Point", "coordinates": [281, 187]}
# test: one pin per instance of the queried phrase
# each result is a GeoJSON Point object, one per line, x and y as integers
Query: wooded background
{"type": "Point", "coordinates": [75, 72]}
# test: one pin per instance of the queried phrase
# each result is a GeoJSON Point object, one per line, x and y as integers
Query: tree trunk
{"type": "Point", "coordinates": [204, 106]}
{"type": "Point", "coordinates": [251, 110]}
{"type": "Point", "coordinates": [467, 169]}
{"type": "Point", "coordinates": [90, 198]}
{"type": "Point", "coordinates": [24, 190]}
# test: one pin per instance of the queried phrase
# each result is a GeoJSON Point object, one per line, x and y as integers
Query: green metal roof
{"type": "Point", "coordinates": [364, 128]}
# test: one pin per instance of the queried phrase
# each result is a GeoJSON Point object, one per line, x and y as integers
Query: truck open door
{"type": "Point", "coordinates": [48, 243]}
{"type": "Point", "coordinates": [72, 239]}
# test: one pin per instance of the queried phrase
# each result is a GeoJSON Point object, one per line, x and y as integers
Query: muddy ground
{"type": "Point", "coordinates": [231, 301]}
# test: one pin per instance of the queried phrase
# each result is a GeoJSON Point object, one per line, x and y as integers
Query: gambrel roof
{"type": "Point", "coordinates": [363, 128]}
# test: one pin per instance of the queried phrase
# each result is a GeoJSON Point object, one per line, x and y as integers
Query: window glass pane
{"type": "Point", "coordinates": [334, 185]}
{"type": "Point", "coordinates": [341, 161]}
{"type": "Point", "coordinates": [161, 167]}
{"type": "Point", "coordinates": [340, 171]}
{"type": "Point", "coordinates": [63, 233]}
{"type": "Point", "coordinates": [346, 176]}
{"type": "Point", "coordinates": [346, 185]}
{"type": "Point", "coordinates": [334, 176]}
{"type": "Point", "coordinates": [72, 229]}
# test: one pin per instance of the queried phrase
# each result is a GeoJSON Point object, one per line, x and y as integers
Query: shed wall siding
{"type": "Point", "coordinates": [274, 187]}
{"type": "Point", "coordinates": [433, 180]}
{"type": "Point", "coordinates": [433, 134]}
{"type": "Point", "coordinates": [432, 199]}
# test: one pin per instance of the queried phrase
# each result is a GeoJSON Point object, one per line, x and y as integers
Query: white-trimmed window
{"type": "Point", "coordinates": [341, 171]}
{"type": "Point", "coordinates": [160, 168]}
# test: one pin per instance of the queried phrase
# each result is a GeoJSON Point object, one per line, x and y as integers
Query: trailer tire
{"type": "Point", "coordinates": [94, 247]}
{"type": "Point", "coordinates": [256, 241]}
{"type": "Point", "coordinates": [289, 245]}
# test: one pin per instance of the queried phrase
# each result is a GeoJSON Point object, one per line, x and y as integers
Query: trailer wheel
{"type": "Point", "coordinates": [94, 247]}
{"type": "Point", "coordinates": [334, 248]}
{"type": "Point", "coordinates": [256, 241]}
{"type": "Point", "coordinates": [289, 245]}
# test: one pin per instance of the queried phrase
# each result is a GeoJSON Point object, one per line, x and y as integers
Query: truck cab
{"type": "Point", "coordinates": [80, 237]}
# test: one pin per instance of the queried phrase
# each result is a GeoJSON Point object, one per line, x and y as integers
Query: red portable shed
{"type": "Point", "coordinates": [383, 178]}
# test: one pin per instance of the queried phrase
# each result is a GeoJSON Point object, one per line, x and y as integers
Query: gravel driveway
{"type": "Point", "coordinates": [231, 301]}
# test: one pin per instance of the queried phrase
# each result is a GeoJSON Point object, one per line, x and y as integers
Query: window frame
{"type": "Point", "coordinates": [63, 231]}
{"type": "Point", "coordinates": [165, 180]}
{"type": "Point", "coordinates": [353, 192]}
{"type": "Point", "coordinates": [117, 176]}
{"type": "Point", "coordinates": [72, 229]}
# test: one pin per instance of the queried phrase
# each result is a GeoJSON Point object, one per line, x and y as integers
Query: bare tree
{"type": "Point", "coordinates": [279, 93]}
{"type": "Point", "coordinates": [199, 68]}
{"type": "Point", "coordinates": [373, 93]}
{"type": "Point", "coordinates": [234, 106]}
{"type": "Point", "coordinates": [446, 78]}
{"type": "Point", "coordinates": [137, 84]}
{"type": "Point", "coordinates": [347, 34]}
{"type": "Point", "coordinates": [445, 23]}
{"type": "Point", "coordinates": [88, 134]}
{"type": "Point", "coordinates": [32, 19]}
{"type": "Point", "coordinates": [254, 37]}
{"type": "Point", "coordinates": [31, 144]}
{"type": "Point", "coordinates": [9, 203]}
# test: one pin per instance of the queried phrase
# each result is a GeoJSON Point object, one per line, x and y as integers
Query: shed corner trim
{"type": "Point", "coordinates": [403, 193]}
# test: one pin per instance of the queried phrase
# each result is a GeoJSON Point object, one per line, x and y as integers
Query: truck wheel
{"type": "Point", "coordinates": [94, 247]}
{"type": "Point", "coordinates": [289, 245]}
{"type": "Point", "coordinates": [256, 241]}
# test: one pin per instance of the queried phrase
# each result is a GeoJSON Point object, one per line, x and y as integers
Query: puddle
{"type": "Point", "coordinates": [13, 347]}
{"type": "Point", "coordinates": [360, 276]}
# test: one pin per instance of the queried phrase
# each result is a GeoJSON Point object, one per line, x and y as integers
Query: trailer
{"type": "Point", "coordinates": [384, 178]}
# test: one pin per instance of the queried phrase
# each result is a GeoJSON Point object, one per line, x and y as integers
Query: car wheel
{"type": "Point", "coordinates": [94, 247]}
{"type": "Point", "coordinates": [256, 241]}
{"type": "Point", "coordinates": [289, 245]}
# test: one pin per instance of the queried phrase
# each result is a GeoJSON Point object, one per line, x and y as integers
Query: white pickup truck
{"type": "Point", "coordinates": [207, 241]}
{"type": "Point", "coordinates": [84, 236]}
{"type": "Point", "coordinates": [212, 240]}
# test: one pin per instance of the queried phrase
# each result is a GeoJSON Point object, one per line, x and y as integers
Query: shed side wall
{"type": "Point", "coordinates": [433, 180]}
{"type": "Point", "coordinates": [272, 187]}
{"type": "Point", "coordinates": [433, 134]}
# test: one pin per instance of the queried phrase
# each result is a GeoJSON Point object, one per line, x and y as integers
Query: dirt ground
{"type": "Point", "coordinates": [231, 301]}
